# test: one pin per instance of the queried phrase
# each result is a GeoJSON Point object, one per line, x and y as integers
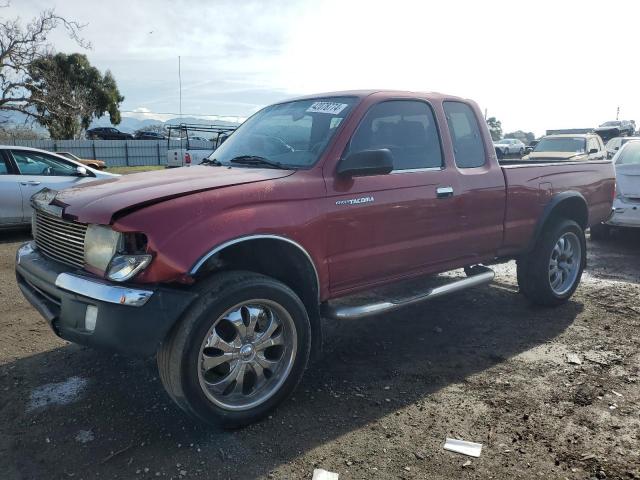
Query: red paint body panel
{"type": "Point", "coordinates": [531, 187]}
{"type": "Point", "coordinates": [405, 231]}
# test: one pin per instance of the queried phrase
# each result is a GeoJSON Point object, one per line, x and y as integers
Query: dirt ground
{"type": "Point", "coordinates": [482, 365]}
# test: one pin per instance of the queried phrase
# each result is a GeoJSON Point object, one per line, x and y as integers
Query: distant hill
{"type": "Point", "coordinates": [128, 124]}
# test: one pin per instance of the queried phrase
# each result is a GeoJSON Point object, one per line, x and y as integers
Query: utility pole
{"type": "Point", "coordinates": [180, 85]}
{"type": "Point", "coordinates": [618, 113]}
{"type": "Point", "coordinates": [485, 114]}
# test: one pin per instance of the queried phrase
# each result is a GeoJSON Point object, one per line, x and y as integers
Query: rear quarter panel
{"type": "Point", "coordinates": [531, 187]}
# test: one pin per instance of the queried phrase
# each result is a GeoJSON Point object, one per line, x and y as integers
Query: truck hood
{"type": "Point", "coordinates": [553, 156]}
{"type": "Point", "coordinates": [98, 202]}
{"type": "Point", "coordinates": [628, 180]}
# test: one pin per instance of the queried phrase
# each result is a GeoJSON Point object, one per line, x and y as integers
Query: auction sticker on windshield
{"type": "Point", "coordinates": [327, 107]}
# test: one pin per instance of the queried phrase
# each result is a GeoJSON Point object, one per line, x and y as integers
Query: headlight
{"type": "Point", "coordinates": [120, 256]}
{"type": "Point", "coordinates": [100, 245]}
{"type": "Point", "coordinates": [124, 267]}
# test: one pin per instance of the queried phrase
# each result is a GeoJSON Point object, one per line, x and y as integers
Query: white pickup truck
{"type": "Point", "coordinates": [186, 148]}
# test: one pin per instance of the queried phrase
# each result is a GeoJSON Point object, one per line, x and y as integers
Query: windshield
{"type": "Point", "coordinates": [611, 124]}
{"type": "Point", "coordinates": [630, 154]}
{"type": "Point", "coordinates": [561, 144]}
{"type": "Point", "coordinates": [292, 134]}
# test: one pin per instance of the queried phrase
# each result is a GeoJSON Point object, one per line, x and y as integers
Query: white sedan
{"type": "Point", "coordinates": [626, 205]}
{"type": "Point", "coordinates": [510, 146]}
{"type": "Point", "coordinates": [25, 171]}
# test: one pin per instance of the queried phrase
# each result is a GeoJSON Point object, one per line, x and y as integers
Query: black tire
{"type": "Point", "coordinates": [521, 152]}
{"type": "Point", "coordinates": [179, 355]}
{"type": "Point", "coordinates": [533, 268]}
{"type": "Point", "coordinates": [600, 232]}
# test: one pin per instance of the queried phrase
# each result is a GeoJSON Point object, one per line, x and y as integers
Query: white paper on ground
{"type": "Point", "coordinates": [320, 474]}
{"type": "Point", "coordinates": [460, 446]}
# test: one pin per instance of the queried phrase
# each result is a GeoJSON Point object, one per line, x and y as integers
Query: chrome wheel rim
{"type": "Point", "coordinates": [564, 263]}
{"type": "Point", "coordinates": [247, 354]}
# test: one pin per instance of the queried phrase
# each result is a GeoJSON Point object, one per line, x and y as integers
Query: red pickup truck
{"type": "Point", "coordinates": [225, 269]}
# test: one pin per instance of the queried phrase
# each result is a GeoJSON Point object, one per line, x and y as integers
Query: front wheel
{"type": "Point", "coordinates": [550, 274]}
{"type": "Point", "coordinates": [238, 352]}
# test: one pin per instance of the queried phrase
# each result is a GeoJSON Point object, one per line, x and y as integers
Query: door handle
{"type": "Point", "coordinates": [444, 192]}
{"type": "Point", "coordinates": [30, 182]}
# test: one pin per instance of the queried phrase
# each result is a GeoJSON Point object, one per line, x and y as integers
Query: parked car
{"type": "Point", "coordinates": [616, 128]}
{"type": "Point", "coordinates": [626, 206]}
{"type": "Point", "coordinates": [107, 133]}
{"type": "Point", "coordinates": [310, 202]}
{"type": "Point", "coordinates": [565, 147]}
{"type": "Point", "coordinates": [25, 171]}
{"type": "Point", "coordinates": [89, 162]}
{"type": "Point", "coordinates": [532, 144]}
{"type": "Point", "coordinates": [616, 143]}
{"type": "Point", "coordinates": [149, 136]}
{"type": "Point", "coordinates": [510, 146]}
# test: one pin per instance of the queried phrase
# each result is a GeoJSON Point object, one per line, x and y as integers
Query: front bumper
{"type": "Point", "coordinates": [129, 319]}
{"type": "Point", "coordinates": [626, 213]}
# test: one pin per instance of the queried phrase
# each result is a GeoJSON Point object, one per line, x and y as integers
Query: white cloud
{"type": "Point", "coordinates": [533, 64]}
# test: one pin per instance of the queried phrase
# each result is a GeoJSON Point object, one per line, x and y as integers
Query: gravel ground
{"type": "Point", "coordinates": [482, 366]}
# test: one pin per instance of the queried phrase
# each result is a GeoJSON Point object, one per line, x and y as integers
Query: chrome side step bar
{"type": "Point", "coordinates": [348, 312]}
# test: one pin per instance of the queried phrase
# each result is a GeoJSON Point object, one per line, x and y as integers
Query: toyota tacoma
{"type": "Point", "coordinates": [225, 269]}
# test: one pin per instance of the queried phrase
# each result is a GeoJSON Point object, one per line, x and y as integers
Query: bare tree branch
{"type": "Point", "coordinates": [20, 47]}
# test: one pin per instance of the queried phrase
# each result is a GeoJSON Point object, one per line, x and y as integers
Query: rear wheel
{"type": "Point", "coordinates": [238, 352]}
{"type": "Point", "coordinates": [550, 274]}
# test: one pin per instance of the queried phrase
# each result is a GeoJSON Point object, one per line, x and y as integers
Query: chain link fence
{"type": "Point", "coordinates": [116, 153]}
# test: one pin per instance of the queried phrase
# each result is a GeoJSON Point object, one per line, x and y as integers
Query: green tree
{"type": "Point", "coordinates": [495, 127]}
{"type": "Point", "coordinates": [524, 137]}
{"type": "Point", "coordinates": [68, 92]}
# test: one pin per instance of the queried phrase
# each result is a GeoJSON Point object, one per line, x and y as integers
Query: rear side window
{"type": "Point", "coordinates": [4, 167]}
{"type": "Point", "coordinates": [407, 128]}
{"type": "Point", "coordinates": [468, 147]}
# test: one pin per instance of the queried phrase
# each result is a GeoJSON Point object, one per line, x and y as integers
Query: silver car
{"type": "Point", "coordinates": [510, 146]}
{"type": "Point", "coordinates": [25, 171]}
{"type": "Point", "coordinates": [626, 205]}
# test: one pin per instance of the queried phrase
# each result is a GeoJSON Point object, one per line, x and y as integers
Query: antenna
{"type": "Point", "coordinates": [180, 85]}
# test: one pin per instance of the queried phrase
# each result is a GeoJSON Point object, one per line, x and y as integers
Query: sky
{"type": "Point", "coordinates": [533, 64]}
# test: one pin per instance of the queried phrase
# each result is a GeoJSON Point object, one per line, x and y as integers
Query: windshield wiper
{"type": "Point", "coordinates": [257, 160]}
{"type": "Point", "coordinates": [211, 161]}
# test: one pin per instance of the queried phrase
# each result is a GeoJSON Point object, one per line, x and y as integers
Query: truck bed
{"type": "Point", "coordinates": [531, 185]}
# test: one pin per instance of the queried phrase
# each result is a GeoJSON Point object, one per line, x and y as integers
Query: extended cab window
{"type": "Point", "coordinates": [407, 128]}
{"type": "Point", "coordinates": [468, 147]}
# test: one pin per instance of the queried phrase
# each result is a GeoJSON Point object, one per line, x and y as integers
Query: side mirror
{"type": "Point", "coordinates": [81, 172]}
{"type": "Point", "coordinates": [593, 150]}
{"type": "Point", "coordinates": [366, 163]}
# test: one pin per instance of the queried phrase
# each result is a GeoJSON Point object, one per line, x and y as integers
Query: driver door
{"type": "Point", "coordinates": [38, 170]}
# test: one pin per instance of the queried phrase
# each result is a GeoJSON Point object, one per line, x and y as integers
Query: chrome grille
{"type": "Point", "coordinates": [60, 239]}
